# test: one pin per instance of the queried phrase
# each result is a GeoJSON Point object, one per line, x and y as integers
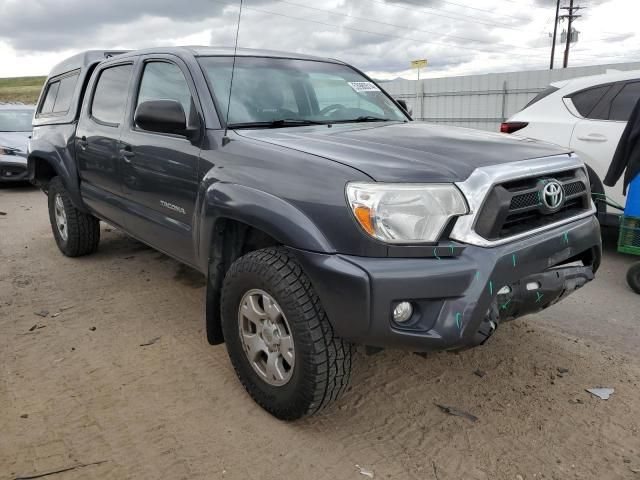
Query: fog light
{"type": "Point", "coordinates": [533, 286]}
{"type": "Point", "coordinates": [402, 312]}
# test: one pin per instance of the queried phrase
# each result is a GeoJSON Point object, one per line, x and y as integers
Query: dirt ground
{"type": "Point", "coordinates": [79, 389]}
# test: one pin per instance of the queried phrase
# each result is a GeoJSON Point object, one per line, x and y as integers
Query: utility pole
{"type": "Point", "coordinates": [555, 33]}
{"type": "Point", "coordinates": [569, 16]}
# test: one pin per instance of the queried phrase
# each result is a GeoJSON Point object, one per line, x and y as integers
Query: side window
{"type": "Point", "coordinates": [543, 94]}
{"type": "Point", "coordinates": [50, 98]}
{"type": "Point", "coordinates": [586, 100]}
{"type": "Point", "coordinates": [65, 94]}
{"type": "Point", "coordinates": [59, 95]}
{"type": "Point", "coordinates": [624, 102]}
{"type": "Point", "coordinates": [164, 81]}
{"type": "Point", "coordinates": [110, 96]}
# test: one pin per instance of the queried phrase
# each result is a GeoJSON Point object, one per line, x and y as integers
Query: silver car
{"type": "Point", "coordinates": [15, 131]}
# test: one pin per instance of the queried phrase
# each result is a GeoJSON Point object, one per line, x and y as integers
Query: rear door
{"type": "Point", "coordinates": [160, 170]}
{"type": "Point", "coordinates": [97, 141]}
{"type": "Point", "coordinates": [596, 136]}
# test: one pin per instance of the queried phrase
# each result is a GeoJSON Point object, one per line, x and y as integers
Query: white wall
{"type": "Point", "coordinates": [483, 101]}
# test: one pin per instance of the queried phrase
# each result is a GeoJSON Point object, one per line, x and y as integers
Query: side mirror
{"type": "Point", "coordinates": [163, 116]}
{"type": "Point", "coordinates": [403, 104]}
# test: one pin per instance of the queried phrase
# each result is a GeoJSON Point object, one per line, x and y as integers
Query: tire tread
{"type": "Point", "coordinates": [329, 365]}
{"type": "Point", "coordinates": [83, 228]}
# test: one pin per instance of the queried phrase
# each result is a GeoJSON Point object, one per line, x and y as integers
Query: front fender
{"type": "Point", "coordinates": [268, 213]}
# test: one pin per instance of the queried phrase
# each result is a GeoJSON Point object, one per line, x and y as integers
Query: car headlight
{"type": "Point", "coordinates": [7, 151]}
{"type": "Point", "coordinates": [405, 213]}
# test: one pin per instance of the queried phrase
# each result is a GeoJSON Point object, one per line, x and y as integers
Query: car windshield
{"type": "Point", "coordinates": [275, 92]}
{"type": "Point", "coordinates": [18, 120]}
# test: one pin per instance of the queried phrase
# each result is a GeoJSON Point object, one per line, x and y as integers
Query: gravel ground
{"type": "Point", "coordinates": [79, 391]}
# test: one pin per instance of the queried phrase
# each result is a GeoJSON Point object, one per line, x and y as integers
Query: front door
{"type": "Point", "coordinates": [159, 170]}
{"type": "Point", "coordinates": [97, 142]}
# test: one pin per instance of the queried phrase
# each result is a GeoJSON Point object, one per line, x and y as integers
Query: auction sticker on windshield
{"type": "Point", "coordinates": [364, 87]}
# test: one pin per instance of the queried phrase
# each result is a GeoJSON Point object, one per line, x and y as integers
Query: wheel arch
{"type": "Point", "coordinates": [43, 166]}
{"type": "Point", "coordinates": [237, 220]}
{"type": "Point", "coordinates": [597, 189]}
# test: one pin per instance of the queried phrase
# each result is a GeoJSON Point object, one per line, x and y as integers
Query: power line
{"type": "Point", "coordinates": [361, 30]}
{"type": "Point", "coordinates": [459, 17]}
{"type": "Point", "coordinates": [269, 12]}
{"type": "Point", "coordinates": [513, 1]}
{"type": "Point", "coordinates": [402, 27]}
{"type": "Point", "coordinates": [483, 10]}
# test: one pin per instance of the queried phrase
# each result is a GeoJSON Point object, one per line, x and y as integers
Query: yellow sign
{"type": "Point", "coordinates": [418, 63]}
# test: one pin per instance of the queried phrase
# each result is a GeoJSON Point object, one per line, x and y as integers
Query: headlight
{"type": "Point", "coordinates": [405, 213]}
{"type": "Point", "coordinates": [7, 151]}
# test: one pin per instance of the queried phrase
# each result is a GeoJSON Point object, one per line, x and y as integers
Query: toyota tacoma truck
{"type": "Point", "coordinates": [322, 216]}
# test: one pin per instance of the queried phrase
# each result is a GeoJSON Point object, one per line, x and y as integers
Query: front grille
{"type": "Point", "coordinates": [574, 188]}
{"type": "Point", "coordinates": [525, 200]}
{"type": "Point", "coordinates": [515, 207]}
{"type": "Point", "coordinates": [532, 199]}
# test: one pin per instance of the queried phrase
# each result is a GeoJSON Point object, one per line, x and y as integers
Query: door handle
{"type": "Point", "coordinates": [592, 137]}
{"type": "Point", "coordinates": [82, 143]}
{"type": "Point", "coordinates": [126, 154]}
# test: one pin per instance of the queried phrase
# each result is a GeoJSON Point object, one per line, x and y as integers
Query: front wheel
{"type": "Point", "coordinates": [279, 339]}
{"type": "Point", "coordinates": [76, 233]}
{"type": "Point", "coordinates": [633, 277]}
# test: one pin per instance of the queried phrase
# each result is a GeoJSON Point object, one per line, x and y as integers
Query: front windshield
{"type": "Point", "coordinates": [267, 90]}
{"type": "Point", "coordinates": [18, 120]}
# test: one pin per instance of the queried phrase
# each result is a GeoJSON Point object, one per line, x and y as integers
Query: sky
{"type": "Point", "coordinates": [381, 37]}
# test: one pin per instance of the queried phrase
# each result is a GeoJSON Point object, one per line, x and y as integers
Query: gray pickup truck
{"type": "Point", "coordinates": [321, 214]}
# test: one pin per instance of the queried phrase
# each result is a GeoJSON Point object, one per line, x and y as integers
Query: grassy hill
{"type": "Point", "coordinates": [21, 89]}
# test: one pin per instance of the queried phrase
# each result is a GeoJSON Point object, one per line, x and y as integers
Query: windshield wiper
{"type": "Point", "coordinates": [283, 122]}
{"type": "Point", "coordinates": [366, 118]}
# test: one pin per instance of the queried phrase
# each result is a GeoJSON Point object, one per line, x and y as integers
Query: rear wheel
{"type": "Point", "coordinates": [279, 339]}
{"type": "Point", "coordinates": [633, 277]}
{"type": "Point", "coordinates": [76, 233]}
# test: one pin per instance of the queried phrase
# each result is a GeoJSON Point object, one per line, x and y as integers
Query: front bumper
{"type": "Point", "coordinates": [13, 169]}
{"type": "Point", "coordinates": [456, 299]}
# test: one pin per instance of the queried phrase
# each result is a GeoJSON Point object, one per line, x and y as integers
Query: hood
{"type": "Point", "coordinates": [18, 140]}
{"type": "Point", "coordinates": [407, 152]}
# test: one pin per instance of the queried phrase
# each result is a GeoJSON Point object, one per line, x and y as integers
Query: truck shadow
{"type": "Point", "coordinates": [116, 243]}
{"type": "Point", "coordinates": [17, 187]}
{"type": "Point", "coordinates": [189, 276]}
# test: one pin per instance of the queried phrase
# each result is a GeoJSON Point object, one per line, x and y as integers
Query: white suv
{"type": "Point", "coordinates": [587, 115]}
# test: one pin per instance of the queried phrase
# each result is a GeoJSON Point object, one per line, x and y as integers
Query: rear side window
{"type": "Point", "coordinates": [586, 100]}
{"type": "Point", "coordinates": [545, 93]}
{"type": "Point", "coordinates": [110, 95]}
{"type": "Point", "coordinates": [50, 98]}
{"type": "Point", "coordinates": [59, 95]}
{"type": "Point", "coordinates": [624, 102]}
{"type": "Point", "coordinates": [65, 94]}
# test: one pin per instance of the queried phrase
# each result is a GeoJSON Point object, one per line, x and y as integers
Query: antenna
{"type": "Point", "coordinates": [225, 138]}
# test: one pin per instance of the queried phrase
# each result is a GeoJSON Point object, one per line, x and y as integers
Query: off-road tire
{"type": "Point", "coordinates": [633, 277]}
{"type": "Point", "coordinates": [83, 229]}
{"type": "Point", "coordinates": [322, 360]}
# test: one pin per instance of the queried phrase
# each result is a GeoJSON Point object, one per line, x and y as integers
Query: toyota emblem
{"type": "Point", "coordinates": [552, 195]}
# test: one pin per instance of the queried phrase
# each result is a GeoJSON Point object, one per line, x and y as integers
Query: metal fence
{"type": "Point", "coordinates": [483, 101]}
